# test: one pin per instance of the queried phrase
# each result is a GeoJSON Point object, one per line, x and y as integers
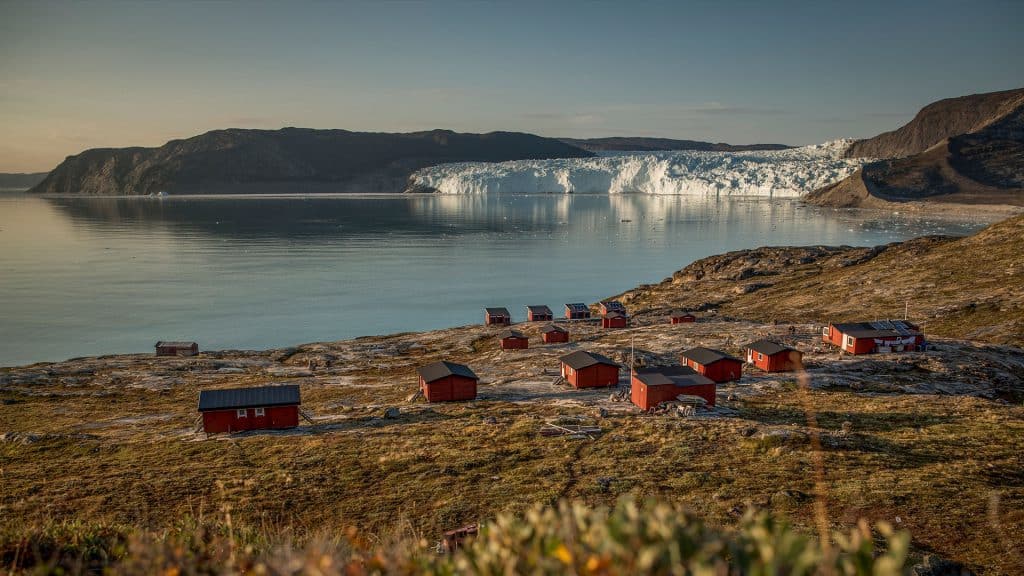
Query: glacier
{"type": "Point", "coordinates": [785, 173]}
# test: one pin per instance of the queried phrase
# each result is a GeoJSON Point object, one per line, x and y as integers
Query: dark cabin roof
{"type": "Point", "coordinates": [768, 347]}
{"type": "Point", "coordinates": [882, 329]}
{"type": "Point", "coordinates": [613, 305]}
{"type": "Point", "coordinates": [707, 356]}
{"type": "Point", "coordinates": [577, 307]}
{"type": "Point", "coordinates": [674, 375]}
{"type": "Point", "coordinates": [173, 344]}
{"type": "Point", "coordinates": [581, 359]}
{"type": "Point", "coordinates": [498, 312]}
{"type": "Point", "coordinates": [680, 313]}
{"type": "Point", "coordinates": [444, 369]}
{"type": "Point", "coordinates": [552, 328]}
{"type": "Point", "coordinates": [511, 334]}
{"type": "Point", "coordinates": [539, 309]}
{"type": "Point", "coordinates": [615, 314]}
{"type": "Point", "coordinates": [230, 398]}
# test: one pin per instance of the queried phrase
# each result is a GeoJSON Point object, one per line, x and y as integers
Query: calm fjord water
{"type": "Point", "coordinates": [85, 276]}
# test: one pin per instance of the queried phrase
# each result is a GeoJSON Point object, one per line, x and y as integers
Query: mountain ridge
{"type": "Point", "coordinates": [650, 144]}
{"type": "Point", "coordinates": [289, 160]}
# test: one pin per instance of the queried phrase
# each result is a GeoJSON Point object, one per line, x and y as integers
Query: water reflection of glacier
{"type": "Point", "coordinates": [758, 173]}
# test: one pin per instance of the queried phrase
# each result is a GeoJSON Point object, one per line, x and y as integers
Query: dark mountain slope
{"type": "Point", "coordinates": [20, 181]}
{"type": "Point", "coordinates": [287, 160]}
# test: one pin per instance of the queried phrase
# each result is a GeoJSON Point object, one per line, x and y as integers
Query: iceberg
{"type": "Point", "coordinates": [784, 173]}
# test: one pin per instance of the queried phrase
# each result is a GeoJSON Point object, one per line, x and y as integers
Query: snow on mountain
{"type": "Point", "coordinates": [790, 172]}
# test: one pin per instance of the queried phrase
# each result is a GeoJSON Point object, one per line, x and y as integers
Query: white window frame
{"type": "Point", "coordinates": [241, 413]}
{"type": "Point", "coordinates": [760, 356]}
{"type": "Point", "coordinates": [849, 341]}
{"type": "Point", "coordinates": [261, 412]}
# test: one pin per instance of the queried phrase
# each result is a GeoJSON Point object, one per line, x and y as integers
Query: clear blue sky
{"type": "Point", "coordinates": [82, 75]}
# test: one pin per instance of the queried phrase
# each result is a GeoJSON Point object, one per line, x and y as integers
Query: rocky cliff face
{"type": "Point", "coordinates": [965, 150]}
{"type": "Point", "coordinates": [291, 160]}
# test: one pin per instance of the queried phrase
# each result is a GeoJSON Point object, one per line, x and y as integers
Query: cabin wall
{"type": "Point", "coordinates": [274, 418]}
{"type": "Point", "coordinates": [515, 343]}
{"type": "Point", "coordinates": [596, 376]}
{"type": "Point", "coordinates": [450, 389]}
{"type": "Point", "coordinates": [721, 371]}
{"type": "Point", "coordinates": [614, 322]}
{"type": "Point", "coordinates": [555, 337]}
{"type": "Point", "coordinates": [647, 397]}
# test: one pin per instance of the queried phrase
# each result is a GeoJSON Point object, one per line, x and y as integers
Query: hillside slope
{"type": "Point", "coordinates": [20, 181]}
{"type": "Point", "coordinates": [966, 288]}
{"type": "Point", "coordinates": [645, 144]}
{"type": "Point", "coordinates": [982, 165]}
{"type": "Point", "coordinates": [938, 121]}
{"type": "Point", "coordinates": [287, 160]}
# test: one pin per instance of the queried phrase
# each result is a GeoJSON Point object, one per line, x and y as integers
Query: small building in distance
{"type": "Point", "coordinates": [577, 311]}
{"type": "Point", "coordinates": [513, 340]}
{"type": "Point", "coordinates": [256, 408]}
{"type": "Point", "coordinates": [657, 384]}
{"type": "Point", "coordinates": [589, 370]}
{"type": "Point", "coordinates": [714, 364]}
{"type": "Point", "coordinates": [539, 314]}
{"type": "Point", "coordinates": [870, 337]}
{"type": "Point", "coordinates": [554, 334]}
{"type": "Point", "coordinates": [164, 348]}
{"type": "Point", "coordinates": [447, 382]}
{"type": "Point", "coordinates": [681, 317]}
{"type": "Point", "coordinates": [497, 317]}
{"type": "Point", "coordinates": [614, 320]}
{"type": "Point", "coordinates": [609, 306]}
{"type": "Point", "coordinates": [774, 357]}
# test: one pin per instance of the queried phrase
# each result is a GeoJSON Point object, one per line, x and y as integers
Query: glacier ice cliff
{"type": "Point", "coordinates": [789, 173]}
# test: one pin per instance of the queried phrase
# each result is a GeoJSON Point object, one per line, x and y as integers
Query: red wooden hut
{"type": "Point", "coordinates": [577, 311]}
{"type": "Point", "coordinates": [497, 316]}
{"type": "Point", "coordinates": [447, 381]}
{"type": "Point", "coordinates": [681, 317]}
{"type": "Point", "coordinates": [714, 364]}
{"type": "Point", "coordinates": [869, 337]}
{"type": "Point", "coordinates": [513, 340]}
{"type": "Point", "coordinates": [539, 314]}
{"type": "Point", "coordinates": [554, 334]}
{"type": "Point", "coordinates": [654, 385]}
{"type": "Point", "coordinates": [614, 320]}
{"type": "Point", "coordinates": [261, 407]}
{"type": "Point", "coordinates": [176, 348]}
{"type": "Point", "coordinates": [774, 357]}
{"type": "Point", "coordinates": [609, 306]}
{"type": "Point", "coordinates": [589, 370]}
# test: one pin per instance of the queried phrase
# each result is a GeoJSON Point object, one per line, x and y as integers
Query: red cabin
{"type": "Point", "coordinates": [614, 320]}
{"type": "Point", "coordinates": [447, 382]}
{"type": "Point", "coordinates": [680, 317]}
{"type": "Point", "coordinates": [497, 317]}
{"type": "Point", "coordinates": [513, 340]}
{"type": "Point", "coordinates": [774, 357]}
{"type": "Point", "coordinates": [539, 314]}
{"type": "Point", "coordinates": [577, 311]}
{"type": "Point", "coordinates": [714, 364]}
{"type": "Point", "coordinates": [176, 348]}
{"type": "Point", "coordinates": [609, 306]}
{"type": "Point", "coordinates": [258, 408]}
{"type": "Point", "coordinates": [652, 386]}
{"type": "Point", "coordinates": [869, 337]}
{"type": "Point", "coordinates": [589, 370]}
{"type": "Point", "coordinates": [552, 334]}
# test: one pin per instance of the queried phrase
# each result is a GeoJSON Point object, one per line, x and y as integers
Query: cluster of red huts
{"type": "Point", "coordinates": [698, 374]}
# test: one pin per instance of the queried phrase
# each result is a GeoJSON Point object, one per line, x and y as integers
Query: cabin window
{"type": "Point", "coordinates": [760, 356]}
{"type": "Point", "coordinates": [261, 412]}
{"type": "Point", "coordinates": [849, 340]}
{"type": "Point", "coordinates": [240, 413]}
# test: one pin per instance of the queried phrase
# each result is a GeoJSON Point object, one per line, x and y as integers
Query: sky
{"type": "Point", "coordinates": [78, 75]}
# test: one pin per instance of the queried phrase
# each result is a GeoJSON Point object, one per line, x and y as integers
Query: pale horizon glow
{"type": "Point", "coordinates": [75, 76]}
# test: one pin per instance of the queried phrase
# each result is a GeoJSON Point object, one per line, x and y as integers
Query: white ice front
{"type": "Point", "coordinates": [765, 173]}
